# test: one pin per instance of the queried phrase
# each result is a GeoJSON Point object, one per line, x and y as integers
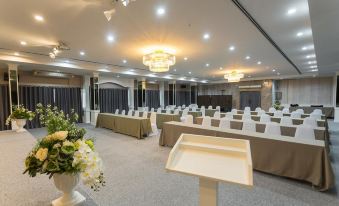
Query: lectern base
{"type": "Point", "coordinates": [208, 192]}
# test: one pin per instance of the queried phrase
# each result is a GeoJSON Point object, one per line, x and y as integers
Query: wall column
{"type": "Point", "coordinates": [162, 94]}
{"type": "Point", "coordinates": [94, 98]}
{"type": "Point", "coordinates": [86, 99]}
{"type": "Point", "coordinates": [335, 97]}
{"type": "Point", "coordinates": [13, 85]}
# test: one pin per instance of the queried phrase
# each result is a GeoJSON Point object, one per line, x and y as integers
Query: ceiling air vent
{"type": "Point", "coordinates": [53, 74]}
{"type": "Point", "coordinates": [250, 87]}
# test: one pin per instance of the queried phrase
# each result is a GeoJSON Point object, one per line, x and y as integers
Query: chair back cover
{"type": "Point", "coordinates": [286, 121]}
{"type": "Point", "coordinates": [315, 116]}
{"type": "Point", "coordinates": [202, 107]}
{"type": "Point", "coordinates": [295, 115]}
{"type": "Point", "coordinates": [189, 119]}
{"type": "Point", "coordinates": [272, 128]}
{"type": "Point", "coordinates": [168, 111]}
{"type": "Point", "coordinates": [159, 110]}
{"type": "Point", "coordinates": [225, 123]}
{"type": "Point", "coordinates": [301, 111]}
{"type": "Point", "coordinates": [179, 107]}
{"type": "Point", "coordinates": [261, 112]}
{"type": "Point", "coordinates": [123, 112]}
{"type": "Point", "coordinates": [194, 109]}
{"type": "Point", "coordinates": [216, 115]}
{"type": "Point", "coordinates": [203, 111]}
{"type": "Point", "coordinates": [234, 111]}
{"type": "Point", "coordinates": [247, 109]}
{"type": "Point", "coordinates": [117, 111]}
{"type": "Point", "coordinates": [229, 115]}
{"type": "Point", "coordinates": [249, 125]}
{"type": "Point", "coordinates": [309, 121]}
{"type": "Point", "coordinates": [317, 111]}
{"type": "Point", "coordinates": [257, 109]}
{"type": "Point", "coordinates": [153, 118]}
{"type": "Point", "coordinates": [136, 113]}
{"type": "Point", "coordinates": [246, 117]}
{"type": "Point", "coordinates": [176, 111]}
{"type": "Point", "coordinates": [247, 112]}
{"type": "Point", "coordinates": [210, 107]}
{"type": "Point", "coordinates": [286, 111]}
{"type": "Point", "coordinates": [271, 110]}
{"type": "Point", "coordinates": [278, 113]}
{"type": "Point", "coordinates": [184, 112]}
{"type": "Point", "coordinates": [130, 113]}
{"type": "Point", "coordinates": [152, 109]}
{"type": "Point", "coordinates": [218, 108]}
{"type": "Point", "coordinates": [304, 132]}
{"type": "Point", "coordinates": [145, 114]}
{"type": "Point", "coordinates": [265, 118]}
{"type": "Point", "coordinates": [206, 121]}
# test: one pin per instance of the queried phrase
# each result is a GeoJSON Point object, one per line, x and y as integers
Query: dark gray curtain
{"type": "Point", "coordinates": [153, 98]}
{"type": "Point", "coordinates": [182, 97]}
{"type": "Point", "coordinates": [67, 99]}
{"type": "Point", "coordinates": [30, 96]}
{"type": "Point", "coordinates": [4, 106]}
{"type": "Point", "coordinates": [250, 99]}
{"type": "Point", "coordinates": [112, 99]}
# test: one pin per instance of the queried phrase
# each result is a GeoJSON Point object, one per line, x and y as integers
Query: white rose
{"type": "Point", "coordinates": [41, 154]}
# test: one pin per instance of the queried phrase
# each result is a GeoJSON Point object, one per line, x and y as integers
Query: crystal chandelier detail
{"type": "Point", "coordinates": [234, 76]}
{"type": "Point", "coordinates": [159, 61]}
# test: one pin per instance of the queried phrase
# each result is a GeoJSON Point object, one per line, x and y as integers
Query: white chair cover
{"type": "Point", "coordinates": [261, 112]}
{"type": "Point", "coordinates": [304, 132]}
{"type": "Point", "coordinates": [265, 118]}
{"type": "Point", "coordinates": [153, 119]}
{"type": "Point", "coordinates": [116, 112]}
{"type": "Point", "coordinates": [145, 109]}
{"type": "Point", "coordinates": [179, 108]}
{"type": "Point", "coordinates": [136, 113]}
{"type": "Point", "coordinates": [249, 125]}
{"type": "Point", "coordinates": [286, 121]}
{"type": "Point", "coordinates": [234, 111]}
{"type": "Point", "coordinates": [202, 107]}
{"type": "Point", "coordinates": [286, 111]}
{"type": "Point", "coordinates": [152, 109]}
{"type": "Point", "coordinates": [246, 117]}
{"type": "Point", "coordinates": [278, 113]}
{"type": "Point", "coordinates": [216, 115]}
{"type": "Point", "coordinates": [123, 112]}
{"type": "Point", "coordinates": [203, 111]}
{"type": "Point", "coordinates": [257, 109]}
{"type": "Point", "coordinates": [247, 109]}
{"type": "Point", "coordinates": [210, 107]}
{"type": "Point", "coordinates": [159, 110]}
{"type": "Point", "coordinates": [229, 115]}
{"type": "Point", "coordinates": [189, 119]}
{"type": "Point", "coordinates": [272, 128]}
{"type": "Point", "coordinates": [218, 108]}
{"type": "Point", "coordinates": [317, 111]}
{"type": "Point", "coordinates": [206, 121]}
{"type": "Point", "coordinates": [176, 111]}
{"type": "Point", "coordinates": [295, 115]}
{"type": "Point", "coordinates": [168, 111]}
{"type": "Point", "coordinates": [310, 122]}
{"type": "Point", "coordinates": [271, 110]}
{"type": "Point", "coordinates": [194, 109]}
{"type": "Point", "coordinates": [301, 111]}
{"type": "Point", "coordinates": [145, 114]}
{"type": "Point", "coordinates": [225, 123]}
{"type": "Point", "coordinates": [130, 113]}
{"type": "Point", "coordinates": [316, 116]}
{"type": "Point", "coordinates": [247, 112]}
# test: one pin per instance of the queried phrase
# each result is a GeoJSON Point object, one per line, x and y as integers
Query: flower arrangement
{"type": "Point", "coordinates": [277, 105]}
{"type": "Point", "coordinates": [64, 149]}
{"type": "Point", "coordinates": [20, 112]}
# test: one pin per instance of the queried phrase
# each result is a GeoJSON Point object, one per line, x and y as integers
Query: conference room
{"type": "Point", "coordinates": [169, 102]}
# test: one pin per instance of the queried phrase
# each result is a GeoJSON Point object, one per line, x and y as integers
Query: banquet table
{"type": "Point", "coordinates": [241, 112]}
{"type": "Point", "coordinates": [210, 112]}
{"type": "Point", "coordinates": [327, 111]}
{"type": "Point", "coordinates": [129, 125]}
{"type": "Point", "coordinates": [162, 118]}
{"type": "Point", "coordinates": [305, 160]}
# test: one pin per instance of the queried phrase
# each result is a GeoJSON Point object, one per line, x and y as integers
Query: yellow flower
{"type": "Point", "coordinates": [61, 135]}
{"type": "Point", "coordinates": [41, 154]}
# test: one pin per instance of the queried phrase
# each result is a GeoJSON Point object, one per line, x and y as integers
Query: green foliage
{"type": "Point", "coordinates": [20, 112]}
{"type": "Point", "coordinates": [277, 105]}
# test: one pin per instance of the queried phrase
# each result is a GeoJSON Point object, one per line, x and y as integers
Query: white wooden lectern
{"type": "Point", "coordinates": [212, 159]}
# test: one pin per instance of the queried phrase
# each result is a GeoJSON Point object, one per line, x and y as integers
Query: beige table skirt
{"type": "Point", "coordinates": [162, 118]}
{"type": "Point", "coordinates": [327, 111]}
{"type": "Point", "coordinates": [306, 162]}
{"type": "Point", "coordinates": [210, 112]}
{"type": "Point", "coordinates": [132, 126]}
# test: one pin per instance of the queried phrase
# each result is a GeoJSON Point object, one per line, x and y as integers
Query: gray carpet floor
{"type": "Point", "coordinates": [135, 175]}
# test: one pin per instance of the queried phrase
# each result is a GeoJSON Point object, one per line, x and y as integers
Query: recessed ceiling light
{"type": "Point", "coordinates": [124, 61]}
{"type": "Point", "coordinates": [299, 34]}
{"type": "Point", "coordinates": [291, 11]}
{"type": "Point", "coordinates": [311, 62]}
{"type": "Point", "coordinates": [220, 68]}
{"type": "Point", "coordinates": [310, 56]}
{"type": "Point", "coordinates": [190, 72]}
{"type": "Point", "coordinates": [313, 66]}
{"type": "Point", "coordinates": [314, 70]}
{"type": "Point", "coordinates": [259, 62]}
{"type": "Point", "coordinates": [247, 57]}
{"type": "Point", "coordinates": [39, 18]}
{"type": "Point", "coordinates": [206, 36]}
{"type": "Point", "coordinates": [161, 11]}
{"type": "Point", "coordinates": [110, 38]}
{"type": "Point", "coordinates": [273, 70]}
{"type": "Point", "coordinates": [185, 58]}
{"type": "Point", "coordinates": [231, 48]}
{"type": "Point", "coordinates": [16, 54]}
{"type": "Point", "coordinates": [175, 70]}
{"type": "Point", "coordinates": [66, 61]}
{"type": "Point", "coordinates": [207, 64]}
{"type": "Point", "coordinates": [82, 53]}
{"type": "Point", "coordinates": [23, 43]}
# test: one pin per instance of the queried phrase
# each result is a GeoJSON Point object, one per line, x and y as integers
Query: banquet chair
{"type": "Point", "coordinates": [206, 121]}
{"type": "Point", "coordinates": [152, 109]}
{"type": "Point", "coordinates": [136, 113]}
{"type": "Point", "coordinates": [218, 108]}
{"type": "Point", "coordinates": [153, 119]}
{"type": "Point", "coordinates": [234, 111]}
{"type": "Point", "coordinates": [184, 115]}
{"type": "Point", "coordinates": [304, 132]}
{"type": "Point", "coordinates": [249, 125]}
{"type": "Point", "coordinates": [278, 113]}
{"type": "Point", "coordinates": [145, 115]}
{"type": "Point", "coordinates": [216, 115]}
{"type": "Point", "coordinates": [145, 109]}
{"type": "Point", "coordinates": [315, 116]}
{"type": "Point", "coordinates": [168, 111]}
{"type": "Point", "coordinates": [116, 112]}
{"type": "Point", "coordinates": [247, 109]}
{"type": "Point", "coordinates": [130, 113]}
{"type": "Point", "coordinates": [286, 111]}
{"type": "Point", "coordinates": [210, 107]}
{"type": "Point", "coordinates": [257, 109]}
{"type": "Point", "coordinates": [295, 115]}
{"type": "Point", "coordinates": [261, 112]}
{"type": "Point", "coordinates": [203, 111]}
{"type": "Point", "coordinates": [225, 123]}
{"type": "Point", "coordinates": [317, 111]}
{"type": "Point", "coordinates": [194, 109]}
{"type": "Point", "coordinates": [246, 117]}
{"type": "Point", "coordinates": [202, 107]}
{"type": "Point", "coordinates": [272, 128]}
{"type": "Point", "coordinates": [123, 112]}
{"type": "Point", "coordinates": [183, 106]}
{"type": "Point", "coordinates": [179, 107]}
{"type": "Point", "coordinates": [159, 110]}
{"type": "Point", "coordinates": [271, 110]}
{"type": "Point", "coordinates": [286, 121]}
{"type": "Point", "coordinates": [189, 119]}
{"type": "Point", "coordinates": [265, 118]}
{"type": "Point", "coordinates": [310, 122]}
{"type": "Point", "coordinates": [176, 111]}
{"type": "Point", "coordinates": [301, 111]}
{"type": "Point", "coordinates": [247, 112]}
{"type": "Point", "coordinates": [229, 115]}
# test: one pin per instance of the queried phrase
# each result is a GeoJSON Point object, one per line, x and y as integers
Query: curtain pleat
{"type": "Point", "coordinates": [153, 98]}
{"type": "Point", "coordinates": [182, 97]}
{"type": "Point", "coordinates": [4, 106]}
{"type": "Point", "coordinates": [112, 99]}
{"type": "Point", "coordinates": [67, 99]}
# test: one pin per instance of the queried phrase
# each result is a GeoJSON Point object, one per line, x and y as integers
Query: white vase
{"type": "Point", "coordinates": [66, 183]}
{"type": "Point", "coordinates": [20, 123]}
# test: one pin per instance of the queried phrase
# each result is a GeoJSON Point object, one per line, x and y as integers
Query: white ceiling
{"type": "Point", "coordinates": [82, 25]}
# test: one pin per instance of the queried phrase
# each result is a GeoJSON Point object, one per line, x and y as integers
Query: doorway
{"type": "Point", "coordinates": [250, 99]}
